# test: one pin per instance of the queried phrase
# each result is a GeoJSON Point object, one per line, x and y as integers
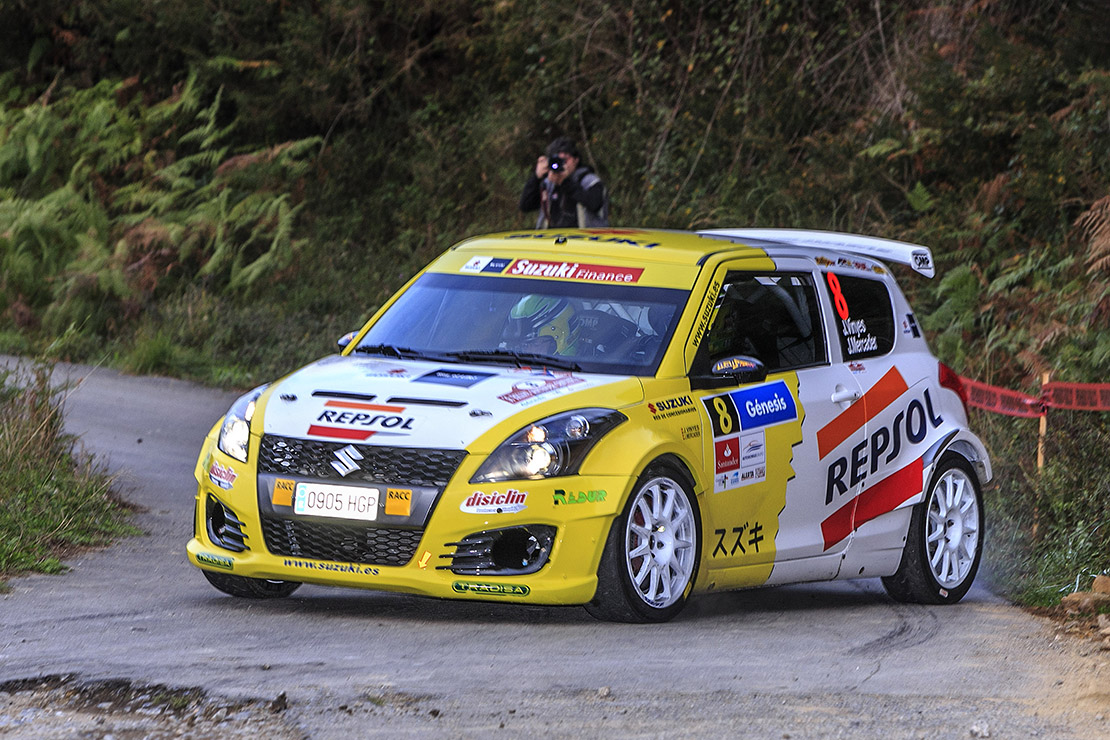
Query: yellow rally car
{"type": "Point", "coordinates": [618, 418]}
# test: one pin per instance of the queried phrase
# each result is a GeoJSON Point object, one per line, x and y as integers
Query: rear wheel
{"type": "Point", "coordinates": [250, 588]}
{"type": "Point", "coordinates": [651, 556]}
{"type": "Point", "coordinates": [945, 540]}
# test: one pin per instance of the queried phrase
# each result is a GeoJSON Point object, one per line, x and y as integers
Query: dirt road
{"type": "Point", "coordinates": [810, 661]}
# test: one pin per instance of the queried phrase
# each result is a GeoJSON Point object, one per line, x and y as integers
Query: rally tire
{"type": "Point", "coordinates": [250, 588]}
{"type": "Point", "coordinates": [944, 544]}
{"type": "Point", "coordinates": [651, 556]}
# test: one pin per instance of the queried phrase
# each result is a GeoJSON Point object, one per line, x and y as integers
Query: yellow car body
{"type": "Point", "coordinates": [391, 466]}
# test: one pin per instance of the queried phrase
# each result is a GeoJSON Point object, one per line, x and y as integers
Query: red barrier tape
{"type": "Point", "coordinates": [1078, 396]}
{"type": "Point", "coordinates": [1001, 401]}
{"type": "Point", "coordinates": [1074, 396]}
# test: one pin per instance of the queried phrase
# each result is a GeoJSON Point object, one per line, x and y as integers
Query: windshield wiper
{"type": "Point", "coordinates": [520, 359]}
{"type": "Point", "coordinates": [388, 350]}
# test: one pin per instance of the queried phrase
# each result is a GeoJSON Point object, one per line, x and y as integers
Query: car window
{"type": "Point", "coordinates": [865, 315]}
{"type": "Point", "coordinates": [772, 317]}
{"type": "Point", "coordinates": [602, 328]}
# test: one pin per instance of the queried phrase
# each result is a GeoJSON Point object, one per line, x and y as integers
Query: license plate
{"type": "Point", "coordinates": [345, 502]}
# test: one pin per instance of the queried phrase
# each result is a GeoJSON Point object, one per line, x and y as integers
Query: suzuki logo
{"type": "Point", "coordinates": [346, 464]}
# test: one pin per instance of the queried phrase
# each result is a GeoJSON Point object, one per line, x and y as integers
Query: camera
{"type": "Point", "coordinates": [556, 163]}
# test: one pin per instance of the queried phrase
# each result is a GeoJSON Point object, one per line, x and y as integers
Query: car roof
{"type": "Point", "coordinates": [689, 248]}
{"type": "Point", "coordinates": [648, 245]}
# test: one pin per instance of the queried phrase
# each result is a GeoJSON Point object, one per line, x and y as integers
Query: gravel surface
{"type": "Point", "coordinates": [133, 643]}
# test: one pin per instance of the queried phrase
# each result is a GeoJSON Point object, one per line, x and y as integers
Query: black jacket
{"type": "Point", "coordinates": [561, 210]}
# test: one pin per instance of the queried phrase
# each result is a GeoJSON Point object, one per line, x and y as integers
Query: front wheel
{"type": "Point", "coordinates": [651, 556]}
{"type": "Point", "coordinates": [945, 541]}
{"type": "Point", "coordinates": [250, 588]}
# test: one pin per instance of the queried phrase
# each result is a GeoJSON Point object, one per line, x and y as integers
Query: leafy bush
{"type": "Point", "coordinates": [1049, 531]}
{"type": "Point", "coordinates": [109, 204]}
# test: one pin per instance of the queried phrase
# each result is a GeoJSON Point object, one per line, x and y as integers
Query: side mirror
{"type": "Point", "coordinates": [729, 371]}
{"type": "Point", "coordinates": [344, 340]}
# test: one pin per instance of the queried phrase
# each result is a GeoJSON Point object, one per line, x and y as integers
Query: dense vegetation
{"type": "Point", "coordinates": [55, 501]}
{"type": "Point", "coordinates": [219, 189]}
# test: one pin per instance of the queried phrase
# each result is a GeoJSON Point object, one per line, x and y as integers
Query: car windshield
{"type": "Point", "coordinates": [592, 327]}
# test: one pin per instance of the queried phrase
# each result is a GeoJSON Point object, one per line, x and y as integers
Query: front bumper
{"type": "Point", "coordinates": [423, 540]}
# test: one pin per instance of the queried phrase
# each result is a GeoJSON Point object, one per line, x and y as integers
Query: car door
{"type": "Point", "coordinates": [897, 408]}
{"type": "Point", "coordinates": [769, 483]}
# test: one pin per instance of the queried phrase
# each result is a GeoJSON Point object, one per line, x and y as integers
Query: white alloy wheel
{"type": "Point", "coordinates": [660, 541]}
{"type": "Point", "coordinates": [944, 543]}
{"type": "Point", "coordinates": [952, 528]}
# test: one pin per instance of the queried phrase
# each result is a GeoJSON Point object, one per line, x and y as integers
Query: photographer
{"type": "Point", "coordinates": [566, 192]}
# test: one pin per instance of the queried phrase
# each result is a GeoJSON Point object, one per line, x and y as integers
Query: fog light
{"type": "Point", "coordinates": [224, 528]}
{"type": "Point", "coordinates": [512, 551]}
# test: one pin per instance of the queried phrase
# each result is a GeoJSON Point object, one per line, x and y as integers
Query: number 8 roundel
{"type": "Point", "coordinates": [839, 300]}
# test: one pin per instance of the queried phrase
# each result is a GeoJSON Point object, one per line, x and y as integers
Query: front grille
{"type": "Point", "coordinates": [401, 465]}
{"type": "Point", "coordinates": [345, 543]}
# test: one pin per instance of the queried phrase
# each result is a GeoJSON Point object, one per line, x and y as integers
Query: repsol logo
{"type": "Point", "coordinates": [361, 418]}
{"type": "Point", "coordinates": [910, 427]}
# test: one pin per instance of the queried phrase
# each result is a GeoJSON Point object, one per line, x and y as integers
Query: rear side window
{"type": "Point", "coordinates": [864, 315]}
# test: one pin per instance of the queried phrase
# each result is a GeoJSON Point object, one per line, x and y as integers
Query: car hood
{"type": "Point", "coordinates": [405, 403]}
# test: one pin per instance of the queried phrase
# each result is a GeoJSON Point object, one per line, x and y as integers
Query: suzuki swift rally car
{"type": "Point", "coordinates": [617, 418]}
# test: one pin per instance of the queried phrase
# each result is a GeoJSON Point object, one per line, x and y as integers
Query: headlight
{"type": "Point", "coordinates": [548, 448]}
{"type": "Point", "coordinates": [235, 433]}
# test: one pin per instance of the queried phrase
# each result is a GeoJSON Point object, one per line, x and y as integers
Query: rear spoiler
{"type": "Point", "coordinates": [904, 253]}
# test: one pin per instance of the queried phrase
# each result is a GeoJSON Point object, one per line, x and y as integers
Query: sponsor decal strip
{"type": "Point", "coordinates": [360, 415]}
{"type": "Point", "coordinates": [567, 498]}
{"type": "Point", "coordinates": [332, 567]}
{"type": "Point", "coordinates": [222, 476]}
{"type": "Point", "coordinates": [885, 496]}
{"type": "Point", "coordinates": [490, 589]}
{"type": "Point", "coordinates": [216, 561]}
{"type": "Point", "coordinates": [878, 397]}
{"type": "Point", "coordinates": [576, 271]}
{"type": "Point", "coordinates": [283, 492]}
{"type": "Point", "coordinates": [510, 502]}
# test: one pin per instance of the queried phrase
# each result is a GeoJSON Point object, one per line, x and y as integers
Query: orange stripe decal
{"type": "Point", "coordinates": [364, 406]}
{"type": "Point", "coordinates": [878, 397]}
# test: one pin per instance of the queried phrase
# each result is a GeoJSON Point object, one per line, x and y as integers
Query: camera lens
{"type": "Point", "coordinates": [556, 163]}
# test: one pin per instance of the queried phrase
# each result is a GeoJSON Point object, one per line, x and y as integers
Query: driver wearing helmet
{"type": "Point", "coordinates": [542, 325]}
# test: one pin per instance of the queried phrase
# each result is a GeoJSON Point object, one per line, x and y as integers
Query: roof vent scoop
{"type": "Point", "coordinates": [916, 256]}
